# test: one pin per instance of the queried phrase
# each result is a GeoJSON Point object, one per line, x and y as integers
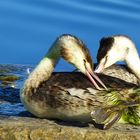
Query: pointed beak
{"type": "Point", "coordinates": [93, 76]}
{"type": "Point", "coordinates": [99, 68]}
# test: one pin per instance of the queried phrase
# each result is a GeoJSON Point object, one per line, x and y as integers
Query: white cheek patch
{"type": "Point", "coordinates": [113, 56]}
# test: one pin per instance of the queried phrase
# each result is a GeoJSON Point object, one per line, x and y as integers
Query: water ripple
{"type": "Point", "coordinates": [27, 23]}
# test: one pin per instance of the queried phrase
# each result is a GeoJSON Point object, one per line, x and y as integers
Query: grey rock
{"type": "Point", "coordinates": [27, 128]}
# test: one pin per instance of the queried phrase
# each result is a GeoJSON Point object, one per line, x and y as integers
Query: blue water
{"type": "Point", "coordinates": [29, 27]}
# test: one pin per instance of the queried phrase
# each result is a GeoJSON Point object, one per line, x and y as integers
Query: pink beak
{"type": "Point", "coordinates": [91, 75]}
{"type": "Point", "coordinates": [99, 68]}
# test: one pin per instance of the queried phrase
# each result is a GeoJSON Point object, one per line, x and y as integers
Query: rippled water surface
{"type": "Point", "coordinates": [10, 103]}
{"type": "Point", "coordinates": [28, 27]}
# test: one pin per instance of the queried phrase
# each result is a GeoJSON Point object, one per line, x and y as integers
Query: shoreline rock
{"type": "Point", "coordinates": [27, 128]}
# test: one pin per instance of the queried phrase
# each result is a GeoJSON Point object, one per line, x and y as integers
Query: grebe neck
{"type": "Point", "coordinates": [133, 61]}
{"type": "Point", "coordinates": [43, 70]}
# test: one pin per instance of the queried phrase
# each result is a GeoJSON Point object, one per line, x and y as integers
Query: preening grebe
{"type": "Point", "coordinates": [119, 48]}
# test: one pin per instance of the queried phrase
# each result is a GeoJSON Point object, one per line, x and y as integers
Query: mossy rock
{"type": "Point", "coordinates": [4, 70]}
{"type": "Point", "coordinates": [9, 78]}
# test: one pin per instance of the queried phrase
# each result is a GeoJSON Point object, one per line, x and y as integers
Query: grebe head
{"type": "Point", "coordinates": [111, 50]}
{"type": "Point", "coordinates": [75, 52]}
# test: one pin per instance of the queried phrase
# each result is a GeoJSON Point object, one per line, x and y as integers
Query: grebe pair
{"type": "Point", "coordinates": [71, 96]}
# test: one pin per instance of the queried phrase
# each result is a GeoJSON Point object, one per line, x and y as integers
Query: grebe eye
{"type": "Point", "coordinates": [84, 62]}
{"type": "Point", "coordinates": [106, 59]}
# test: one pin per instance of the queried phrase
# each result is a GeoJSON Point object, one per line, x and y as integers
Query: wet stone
{"type": "Point", "coordinates": [9, 78]}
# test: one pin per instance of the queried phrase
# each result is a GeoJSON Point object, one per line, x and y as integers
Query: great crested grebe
{"type": "Point", "coordinates": [70, 95]}
{"type": "Point", "coordinates": [71, 49]}
{"type": "Point", "coordinates": [119, 48]}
